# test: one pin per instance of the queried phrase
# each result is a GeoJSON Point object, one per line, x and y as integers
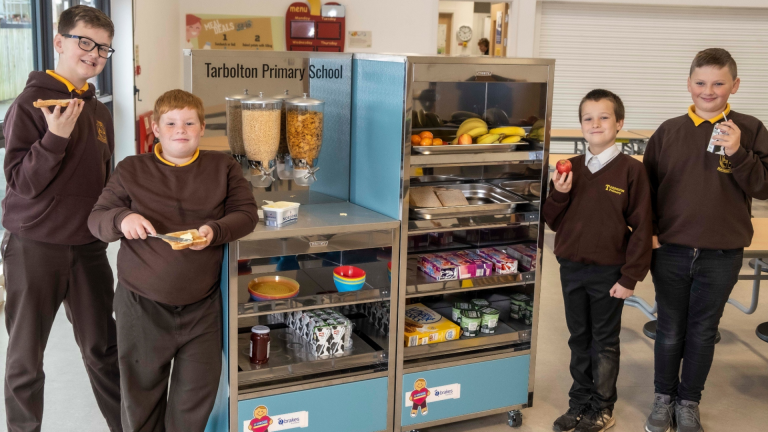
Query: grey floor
{"type": "Point", "coordinates": [736, 397]}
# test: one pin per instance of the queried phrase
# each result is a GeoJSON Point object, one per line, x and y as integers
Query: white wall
{"type": "Point", "coordinates": [698, 3]}
{"type": "Point", "coordinates": [463, 14]}
{"type": "Point", "coordinates": [479, 31]}
{"type": "Point", "coordinates": [398, 26]}
{"type": "Point", "coordinates": [158, 37]}
{"type": "Point", "coordinates": [122, 80]}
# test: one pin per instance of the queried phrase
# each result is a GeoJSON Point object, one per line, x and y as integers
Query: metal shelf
{"type": "Point", "coordinates": [420, 284]}
{"type": "Point", "coordinates": [417, 226]}
{"type": "Point", "coordinates": [469, 159]}
{"type": "Point", "coordinates": [316, 290]}
{"type": "Point", "coordinates": [291, 356]}
{"type": "Point", "coordinates": [508, 332]}
{"type": "Point", "coordinates": [325, 219]}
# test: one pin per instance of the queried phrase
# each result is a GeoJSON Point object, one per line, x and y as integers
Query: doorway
{"type": "Point", "coordinates": [444, 24]}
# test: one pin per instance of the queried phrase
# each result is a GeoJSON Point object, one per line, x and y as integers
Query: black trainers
{"type": "Point", "coordinates": [596, 421]}
{"type": "Point", "coordinates": [568, 421]}
{"type": "Point", "coordinates": [688, 417]}
{"type": "Point", "coordinates": [662, 417]}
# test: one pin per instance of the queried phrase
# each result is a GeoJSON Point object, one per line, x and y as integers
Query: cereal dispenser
{"type": "Point", "coordinates": [284, 165]}
{"type": "Point", "coordinates": [304, 132]}
{"type": "Point", "coordinates": [261, 136]}
{"type": "Point", "coordinates": [235, 125]}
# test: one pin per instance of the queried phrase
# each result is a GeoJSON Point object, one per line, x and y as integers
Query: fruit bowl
{"type": "Point", "coordinates": [348, 278]}
{"type": "Point", "coordinates": [268, 288]}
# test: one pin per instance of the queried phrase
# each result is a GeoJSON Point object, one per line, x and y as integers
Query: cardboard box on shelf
{"type": "Point", "coordinates": [424, 326]}
{"type": "Point", "coordinates": [502, 263]}
{"type": "Point", "coordinates": [438, 267]}
{"type": "Point", "coordinates": [525, 254]}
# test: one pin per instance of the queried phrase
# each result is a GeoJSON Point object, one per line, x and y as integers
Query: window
{"type": "Point", "coordinates": [17, 50]}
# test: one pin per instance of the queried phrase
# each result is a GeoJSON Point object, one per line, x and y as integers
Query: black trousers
{"type": "Point", "coordinates": [151, 335]}
{"type": "Point", "coordinates": [40, 278]}
{"type": "Point", "coordinates": [594, 321]}
{"type": "Point", "coordinates": [692, 288]}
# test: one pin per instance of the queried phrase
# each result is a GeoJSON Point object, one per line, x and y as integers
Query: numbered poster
{"type": "Point", "coordinates": [234, 32]}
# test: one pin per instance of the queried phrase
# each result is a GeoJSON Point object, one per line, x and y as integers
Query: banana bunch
{"type": "Point", "coordinates": [489, 139]}
{"type": "Point", "coordinates": [495, 136]}
{"type": "Point", "coordinates": [478, 129]}
{"type": "Point", "coordinates": [474, 127]}
{"type": "Point", "coordinates": [508, 131]}
{"type": "Point", "coordinates": [537, 131]}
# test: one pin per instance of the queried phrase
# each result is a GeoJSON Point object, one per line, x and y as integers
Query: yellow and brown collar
{"type": "Point", "coordinates": [698, 120]}
{"type": "Point", "coordinates": [159, 151]}
{"type": "Point", "coordinates": [70, 86]}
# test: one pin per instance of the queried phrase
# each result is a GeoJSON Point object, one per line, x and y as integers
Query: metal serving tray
{"type": "Point", "coordinates": [482, 198]}
{"type": "Point", "coordinates": [436, 179]}
{"type": "Point", "coordinates": [528, 189]}
{"type": "Point", "coordinates": [467, 148]}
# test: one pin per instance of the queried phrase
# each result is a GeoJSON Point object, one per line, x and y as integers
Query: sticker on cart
{"type": "Point", "coordinates": [262, 422]}
{"type": "Point", "coordinates": [421, 396]}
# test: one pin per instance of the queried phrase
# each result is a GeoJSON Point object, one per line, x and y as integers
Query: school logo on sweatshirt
{"type": "Point", "coordinates": [614, 189]}
{"type": "Point", "coordinates": [725, 165]}
{"type": "Point", "coordinates": [102, 131]}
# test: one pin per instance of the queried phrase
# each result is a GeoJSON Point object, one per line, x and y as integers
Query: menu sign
{"type": "Point", "coordinates": [306, 29]}
{"type": "Point", "coordinates": [233, 32]}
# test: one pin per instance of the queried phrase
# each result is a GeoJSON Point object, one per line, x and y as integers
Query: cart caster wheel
{"type": "Point", "coordinates": [515, 419]}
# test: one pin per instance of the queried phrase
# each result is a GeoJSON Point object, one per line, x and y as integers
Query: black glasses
{"type": "Point", "coordinates": [88, 44]}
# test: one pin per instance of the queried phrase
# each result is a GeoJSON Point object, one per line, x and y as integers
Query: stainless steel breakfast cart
{"type": "Point", "coordinates": [492, 373]}
{"type": "Point", "coordinates": [357, 212]}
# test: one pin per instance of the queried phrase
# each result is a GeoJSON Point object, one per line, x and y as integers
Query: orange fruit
{"type": "Point", "coordinates": [437, 141]}
{"type": "Point", "coordinates": [415, 140]}
{"type": "Point", "coordinates": [426, 134]}
{"type": "Point", "coordinates": [426, 141]}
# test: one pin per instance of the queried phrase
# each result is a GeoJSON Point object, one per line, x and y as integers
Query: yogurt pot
{"type": "Point", "coordinates": [280, 213]}
{"type": "Point", "coordinates": [480, 303]}
{"type": "Point", "coordinates": [471, 321]}
{"type": "Point", "coordinates": [489, 320]}
{"type": "Point", "coordinates": [456, 311]}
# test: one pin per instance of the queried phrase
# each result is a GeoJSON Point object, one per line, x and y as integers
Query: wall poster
{"type": "Point", "coordinates": [234, 32]}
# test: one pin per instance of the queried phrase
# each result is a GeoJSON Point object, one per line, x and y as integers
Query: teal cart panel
{"type": "Point", "coordinates": [219, 419]}
{"type": "Point", "coordinates": [461, 390]}
{"type": "Point", "coordinates": [354, 407]}
{"type": "Point", "coordinates": [377, 135]}
{"type": "Point", "coordinates": [333, 177]}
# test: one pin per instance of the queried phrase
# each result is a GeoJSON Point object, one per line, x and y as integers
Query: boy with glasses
{"type": "Point", "coordinates": [57, 162]}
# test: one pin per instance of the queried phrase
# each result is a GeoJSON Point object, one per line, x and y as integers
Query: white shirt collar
{"type": "Point", "coordinates": [606, 156]}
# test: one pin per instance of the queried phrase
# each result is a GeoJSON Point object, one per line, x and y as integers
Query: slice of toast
{"type": "Point", "coordinates": [52, 102]}
{"type": "Point", "coordinates": [451, 197]}
{"type": "Point", "coordinates": [423, 197]}
{"type": "Point", "coordinates": [197, 239]}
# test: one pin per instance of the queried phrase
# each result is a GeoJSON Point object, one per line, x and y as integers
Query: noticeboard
{"type": "Point", "coordinates": [234, 32]}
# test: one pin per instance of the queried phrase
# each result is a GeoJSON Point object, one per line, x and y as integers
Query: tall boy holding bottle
{"type": "Point", "coordinates": [704, 167]}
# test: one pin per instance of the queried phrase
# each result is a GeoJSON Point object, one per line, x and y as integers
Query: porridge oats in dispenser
{"type": "Point", "coordinates": [235, 125]}
{"type": "Point", "coordinates": [304, 133]}
{"type": "Point", "coordinates": [261, 136]}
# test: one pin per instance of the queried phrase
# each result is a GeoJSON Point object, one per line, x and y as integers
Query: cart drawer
{"type": "Point", "coordinates": [355, 407]}
{"type": "Point", "coordinates": [461, 390]}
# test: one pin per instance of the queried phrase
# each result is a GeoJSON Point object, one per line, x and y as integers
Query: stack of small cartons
{"type": "Point", "coordinates": [327, 332]}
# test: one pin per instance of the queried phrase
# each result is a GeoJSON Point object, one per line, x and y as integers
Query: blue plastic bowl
{"type": "Point", "coordinates": [344, 286]}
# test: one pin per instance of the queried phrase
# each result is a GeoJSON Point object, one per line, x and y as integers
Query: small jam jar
{"type": "Point", "coordinates": [259, 344]}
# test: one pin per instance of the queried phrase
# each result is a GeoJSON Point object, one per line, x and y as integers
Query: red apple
{"type": "Point", "coordinates": [563, 166]}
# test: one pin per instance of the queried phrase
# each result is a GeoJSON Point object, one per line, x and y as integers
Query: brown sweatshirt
{"type": "Point", "coordinates": [593, 220]}
{"type": "Point", "coordinates": [700, 199]}
{"type": "Point", "coordinates": [209, 191]}
{"type": "Point", "coordinates": [53, 182]}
